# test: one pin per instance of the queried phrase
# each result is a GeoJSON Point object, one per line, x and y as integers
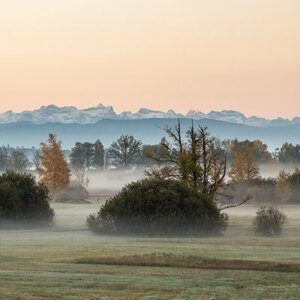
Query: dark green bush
{"type": "Point", "coordinates": [158, 207]}
{"type": "Point", "coordinates": [269, 221]}
{"type": "Point", "coordinates": [23, 201]}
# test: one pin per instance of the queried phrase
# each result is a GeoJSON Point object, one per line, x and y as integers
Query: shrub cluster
{"type": "Point", "coordinates": [23, 201]}
{"type": "Point", "coordinates": [158, 207]}
{"type": "Point", "coordinates": [74, 193]}
{"type": "Point", "coordinates": [269, 221]}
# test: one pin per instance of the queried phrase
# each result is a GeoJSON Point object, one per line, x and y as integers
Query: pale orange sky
{"type": "Point", "coordinates": [160, 54]}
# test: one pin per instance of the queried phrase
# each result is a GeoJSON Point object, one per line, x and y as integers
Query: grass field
{"type": "Point", "coordinates": [68, 262]}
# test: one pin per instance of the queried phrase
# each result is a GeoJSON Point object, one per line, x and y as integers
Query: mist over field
{"type": "Point", "coordinates": [111, 181]}
{"type": "Point", "coordinates": [149, 150]}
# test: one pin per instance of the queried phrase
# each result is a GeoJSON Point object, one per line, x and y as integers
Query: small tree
{"type": "Point", "coordinates": [36, 159]}
{"type": "Point", "coordinates": [4, 159]}
{"type": "Point", "coordinates": [19, 161]}
{"type": "Point", "coordinates": [293, 185]}
{"type": "Point", "coordinates": [288, 153]}
{"type": "Point", "coordinates": [76, 157]}
{"type": "Point", "coordinates": [258, 149]}
{"type": "Point", "coordinates": [294, 178]}
{"type": "Point", "coordinates": [82, 178]}
{"type": "Point", "coordinates": [252, 168]}
{"type": "Point", "coordinates": [244, 166]}
{"type": "Point", "coordinates": [54, 171]}
{"type": "Point", "coordinates": [283, 177]}
{"type": "Point", "coordinates": [269, 221]}
{"type": "Point", "coordinates": [125, 150]}
{"type": "Point", "coordinates": [150, 151]}
{"type": "Point", "coordinates": [88, 154]}
{"type": "Point", "coordinates": [283, 186]}
{"type": "Point", "coordinates": [238, 168]}
{"type": "Point", "coordinates": [98, 160]}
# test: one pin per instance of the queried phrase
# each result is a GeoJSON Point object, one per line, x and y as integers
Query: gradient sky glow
{"type": "Point", "coordinates": [160, 54]}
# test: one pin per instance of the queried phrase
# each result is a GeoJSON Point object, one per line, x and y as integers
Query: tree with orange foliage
{"type": "Point", "coordinates": [244, 166]}
{"type": "Point", "coordinates": [54, 171]}
{"type": "Point", "coordinates": [238, 167]}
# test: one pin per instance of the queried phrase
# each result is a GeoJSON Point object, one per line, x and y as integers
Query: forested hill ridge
{"type": "Point", "coordinates": [149, 131]}
{"type": "Point", "coordinates": [91, 115]}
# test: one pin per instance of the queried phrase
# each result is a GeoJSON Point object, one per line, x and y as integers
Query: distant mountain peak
{"type": "Point", "coordinates": [100, 105]}
{"type": "Point", "coordinates": [144, 110]}
{"type": "Point", "coordinates": [71, 115]}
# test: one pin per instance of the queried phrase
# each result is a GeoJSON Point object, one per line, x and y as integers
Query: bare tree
{"type": "Point", "coordinates": [195, 158]}
{"type": "Point", "coordinates": [192, 157]}
{"type": "Point", "coordinates": [80, 174]}
{"type": "Point", "coordinates": [36, 159]}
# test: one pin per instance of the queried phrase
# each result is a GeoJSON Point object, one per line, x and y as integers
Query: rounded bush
{"type": "Point", "coordinates": [269, 221]}
{"type": "Point", "coordinates": [23, 201]}
{"type": "Point", "coordinates": [158, 207]}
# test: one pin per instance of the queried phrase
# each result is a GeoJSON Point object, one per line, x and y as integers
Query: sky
{"type": "Point", "coordinates": [160, 54]}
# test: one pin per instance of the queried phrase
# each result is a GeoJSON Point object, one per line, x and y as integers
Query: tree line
{"type": "Point", "coordinates": [185, 190]}
{"type": "Point", "coordinates": [127, 150]}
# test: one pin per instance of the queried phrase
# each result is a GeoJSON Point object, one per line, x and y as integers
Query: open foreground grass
{"type": "Point", "coordinates": [68, 262]}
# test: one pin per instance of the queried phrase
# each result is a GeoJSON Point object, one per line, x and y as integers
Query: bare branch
{"type": "Point", "coordinates": [236, 205]}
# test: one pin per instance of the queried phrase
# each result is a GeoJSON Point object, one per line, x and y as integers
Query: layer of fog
{"type": "Point", "coordinates": [110, 181]}
{"type": "Point", "coordinates": [70, 219]}
{"type": "Point", "coordinates": [70, 226]}
{"type": "Point", "coordinates": [272, 170]}
{"type": "Point", "coordinates": [114, 179]}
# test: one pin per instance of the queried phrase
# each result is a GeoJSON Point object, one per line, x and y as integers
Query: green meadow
{"type": "Point", "coordinates": [66, 261]}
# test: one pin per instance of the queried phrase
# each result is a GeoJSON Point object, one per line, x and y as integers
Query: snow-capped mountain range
{"type": "Point", "coordinates": [73, 115]}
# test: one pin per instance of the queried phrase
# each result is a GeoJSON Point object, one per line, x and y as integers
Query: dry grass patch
{"type": "Point", "coordinates": [181, 261]}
